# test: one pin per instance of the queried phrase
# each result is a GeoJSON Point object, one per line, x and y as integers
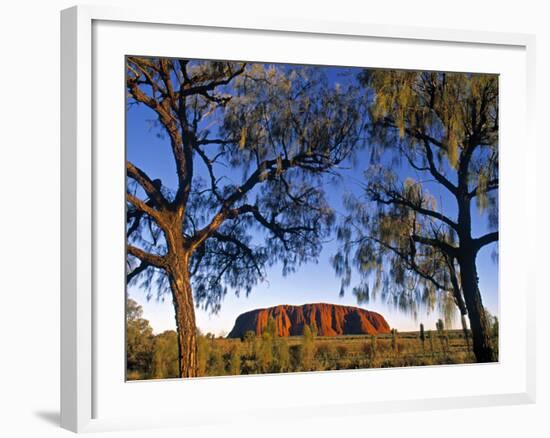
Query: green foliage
{"type": "Point", "coordinates": [235, 361]}
{"type": "Point", "coordinates": [265, 352]}
{"type": "Point", "coordinates": [250, 340]}
{"type": "Point", "coordinates": [216, 361]}
{"type": "Point", "coordinates": [324, 354]}
{"type": "Point", "coordinates": [313, 328]}
{"type": "Point", "coordinates": [139, 340]}
{"type": "Point", "coordinates": [416, 101]}
{"type": "Point", "coordinates": [494, 328]}
{"type": "Point", "coordinates": [165, 356]}
{"type": "Point", "coordinates": [342, 350]}
{"type": "Point", "coordinates": [281, 356]}
{"type": "Point", "coordinates": [203, 352]}
{"type": "Point", "coordinates": [271, 327]}
{"type": "Point", "coordinates": [148, 356]}
{"type": "Point", "coordinates": [308, 347]}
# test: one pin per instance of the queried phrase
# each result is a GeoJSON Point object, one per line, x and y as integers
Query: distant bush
{"type": "Point", "coordinates": [324, 355]}
{"type": "Point", "coordinates": [342, 350]}
{"type": "Point", "coordinates": [216, 362]}
{"type": "Point", "coordinates": [234, 361]}
{"type": "Point", "coordinates": [307, 351]}
{"type": "Point", "coordinates": [281, 356]}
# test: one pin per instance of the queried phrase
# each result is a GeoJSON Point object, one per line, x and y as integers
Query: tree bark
{"type": "Point", "coordinates": [185, 321]}
{"type": "Point", "coordinates": [482, 345]}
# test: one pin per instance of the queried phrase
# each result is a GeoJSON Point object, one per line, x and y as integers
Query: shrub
{"type": "Point", "coordinates": [249, 340]}
{"type": "Point", "coordinates": [342, 351]}
{"type": "Point", "coordinates": [295, 357]}
{"type": "Point", "coordinates": [216, 363]}
{"type": "Point", "coordinates": [265, 352]}
{"type": "Point", "coordinates": [203, 354]}
{"type": "Point", "coordinates": [139, 342]}
{"type": "Point", "coordinates": [165, 355]}
{"type": "Point", "coordinates": [373, 343]}
{"type": "Point", "coordinates": [307, 351]}
{"type": "Point", "coordinates": [281, 355]}
{"type": "Point", "coordinates": [235, 361]}
{"type": "Point", "coordinates": [324, 354]}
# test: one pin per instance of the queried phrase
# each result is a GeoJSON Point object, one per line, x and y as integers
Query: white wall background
{"type": "Point", "coordinates": [29, 216]}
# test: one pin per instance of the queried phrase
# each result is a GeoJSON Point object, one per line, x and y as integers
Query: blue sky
{"type": "Point", "coordinates": [313, 282]}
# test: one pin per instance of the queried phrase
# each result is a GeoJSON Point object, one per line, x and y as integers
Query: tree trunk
{"type": "Point", "coordinates": [185, 321]}
{"type": "Point", "coordinates": [481, 337]}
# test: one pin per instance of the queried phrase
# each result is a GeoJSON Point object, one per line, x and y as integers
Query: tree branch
{"type": "Point", "coordinates": [457, 291]}
{"type": "Point", "coordinates": [144, 207]}
{"type": "Point", "coordinates": [152, 188]}
{"type": "Point", "coordinates": [397, 199]}
{"type": "Point", "coordinates": [433, 169]}
{"type": "Point", "coordinates": [151, 259]}
{"type": "Point", "coordinates": [142, 267]}
{"type": "Point", "coordinates": [436, 243]}
{"type": "Point", "coordinates": [260, 174]}
{"type": "Point", "coordinates": [167, 119]}
{"type": "Point", "coordinates": [202, 89]}
{"type": "Point", "coordinates": [218, 141]}
{"type": "Point", "coordinates": [208, 163]}
{"type": "Point", "coordinates": [485, 240]}
{"type": "Point", "coordinates": [242, 247]}
{"type": "Point", "coordinates": [409, 260]}
{"type": "Point", "coordinates": [426, 140]}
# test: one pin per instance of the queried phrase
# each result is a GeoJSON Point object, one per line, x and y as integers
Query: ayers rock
{"type": "Point", "coordinates": [330, 319]}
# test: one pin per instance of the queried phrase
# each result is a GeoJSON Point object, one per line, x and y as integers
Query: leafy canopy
{"type": "Point", "coordinates": [434, 140]}
{"type": "Point", "coordinates": [262, 138]}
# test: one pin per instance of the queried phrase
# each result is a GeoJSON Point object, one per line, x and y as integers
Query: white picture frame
{"type": "Point", "coordinates": [88, 358]}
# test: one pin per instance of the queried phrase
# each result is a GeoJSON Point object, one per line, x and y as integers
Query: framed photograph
{"type": "Point", "coordinates": [274, 206]}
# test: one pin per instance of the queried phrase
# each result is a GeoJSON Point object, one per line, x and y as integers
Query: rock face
{"type": "Point", "coordinates": [330, 319]}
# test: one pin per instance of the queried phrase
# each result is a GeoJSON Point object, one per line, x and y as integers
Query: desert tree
{"type": "Point", "coordinates": [249, 146]}
{"type": "Point", "coordinates": [434, 139]}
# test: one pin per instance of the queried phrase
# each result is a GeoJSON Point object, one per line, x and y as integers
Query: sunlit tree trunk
{"type": "Point", "coordinates": [182, 295]}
